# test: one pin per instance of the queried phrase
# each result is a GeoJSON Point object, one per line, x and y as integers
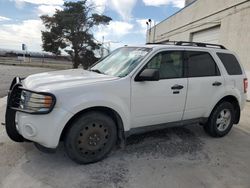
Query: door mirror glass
{"type": "Point", "coordinates": [148, 75]}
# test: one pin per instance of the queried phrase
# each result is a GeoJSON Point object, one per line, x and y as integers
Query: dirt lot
{"type": "Point", "coordinates": [179, 157]}
{"type": "Point", "coordinates": [7, 73]}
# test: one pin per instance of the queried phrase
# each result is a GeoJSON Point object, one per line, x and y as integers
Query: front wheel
{"type": "Point", "coordinates": [90, 138]}
{"type": "Point", "coordinates": [221, 120]}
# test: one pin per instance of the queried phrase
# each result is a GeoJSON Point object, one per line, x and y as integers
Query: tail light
{"type": "Point", "coordinates": [245, 82]}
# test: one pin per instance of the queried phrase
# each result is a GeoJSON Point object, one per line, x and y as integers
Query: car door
{"type": "Point", "coordinates": [157, 102]}
{"type": "Point", "coordinates": [205, 83]}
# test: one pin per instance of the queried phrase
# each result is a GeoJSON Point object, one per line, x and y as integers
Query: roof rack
{"type": "Point", "coordinates": [186, 43]}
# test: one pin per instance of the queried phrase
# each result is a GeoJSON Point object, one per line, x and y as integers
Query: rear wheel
{"type": "Point", "coordinates": [91, 138]}
{"type": "Point", "coordinates": [221, 120]}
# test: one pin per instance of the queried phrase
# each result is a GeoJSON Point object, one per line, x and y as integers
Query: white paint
{"type": "Point", "coordinates": [138, 103]}
{"type": "Point", "coordinates": [248, 92]}
{"type": "Point", "coordinates": [154, 102]}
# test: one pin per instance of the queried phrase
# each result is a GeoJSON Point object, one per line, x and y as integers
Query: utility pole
{"type": "Point", "coordinates": [147, 34]}
{"type": "Point", "coordinates": [149, 28]}
{"type": "Point", "coordinates": [154, 32]}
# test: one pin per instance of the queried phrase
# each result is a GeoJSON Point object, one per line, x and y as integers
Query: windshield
{"type": "Point", "coordinates": [121, 62]}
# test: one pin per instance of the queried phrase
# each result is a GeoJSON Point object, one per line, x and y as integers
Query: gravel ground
{"type": "Point", "coordinates": [179, 157]}
{"type": "Point", "coordinates": [7, 73]}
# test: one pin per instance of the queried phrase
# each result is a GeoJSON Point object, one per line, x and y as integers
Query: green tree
{"type": "Point", "coordinates": [71, 30]}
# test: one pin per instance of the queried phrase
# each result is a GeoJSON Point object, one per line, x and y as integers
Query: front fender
{"type": "Point", "coordinates": [89, 100]}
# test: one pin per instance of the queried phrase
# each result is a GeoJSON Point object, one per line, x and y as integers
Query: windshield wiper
{"type": "Point", "coordinates": [97, 71]}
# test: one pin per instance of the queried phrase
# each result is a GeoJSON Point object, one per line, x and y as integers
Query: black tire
{"type": "Point", "coordinates": [90, 138]}
{"type": "Point", "coordinates": [216, 129]}
{"type": "Point", "coordinates": [44, 149]}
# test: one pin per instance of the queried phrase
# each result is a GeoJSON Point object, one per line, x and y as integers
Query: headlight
{"type": "Point", "coordinates": [33, 102]}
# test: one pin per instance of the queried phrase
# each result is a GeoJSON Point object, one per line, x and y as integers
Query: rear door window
{"type": "Point", "coordinates": [230, 63]}
{"type": "Point", "coordinates": [201, 64]}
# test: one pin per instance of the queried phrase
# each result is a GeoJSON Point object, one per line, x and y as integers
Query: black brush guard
{"type": "Point", "coordinates": [10, 114]}
{"type": "Point", "coordinates": [13, 105]}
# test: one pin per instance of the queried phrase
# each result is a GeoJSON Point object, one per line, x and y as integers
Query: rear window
{"type": "Point", "coordinates": [230, 63]}
{"type": "Point", "coordinates": [201, 64]}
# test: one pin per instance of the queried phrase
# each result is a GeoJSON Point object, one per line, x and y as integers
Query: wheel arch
{"type": "Point", "coordinates": [233, 100]}
{"type": "Point", "coordinates": [106, 110]}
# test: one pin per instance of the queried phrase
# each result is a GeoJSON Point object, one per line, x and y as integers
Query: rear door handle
{"type": "Point", "coordinates": [177, 87]}
{"type": "Point", "coordinates": [217, 84]}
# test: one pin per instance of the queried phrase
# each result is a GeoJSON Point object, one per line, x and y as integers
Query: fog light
{"type": "Point", "coordinates": [29, 130]}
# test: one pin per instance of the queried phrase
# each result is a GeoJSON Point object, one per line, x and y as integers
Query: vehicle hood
{"type": "Point", "coordinates": [63, 79]}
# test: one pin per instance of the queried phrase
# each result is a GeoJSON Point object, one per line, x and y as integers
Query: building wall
{"type": "Point", "coordinates": [233, 17]}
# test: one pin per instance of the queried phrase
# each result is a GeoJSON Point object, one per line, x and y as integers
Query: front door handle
{"type": "Point", "coordinates": [177, 87]}
{"type": "Point", "coordinates": [217, 83]}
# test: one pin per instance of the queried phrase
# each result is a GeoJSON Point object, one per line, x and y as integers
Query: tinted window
{"type": "Point", "coordinates": [230, 63]}
{"type": "Point", "coordinates": [170, 64]}
{"type": "Point", "coordinates": [201, 64]}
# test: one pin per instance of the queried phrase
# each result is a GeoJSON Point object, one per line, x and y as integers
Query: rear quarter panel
{"type": "Point", "coordinates": [233, 83]}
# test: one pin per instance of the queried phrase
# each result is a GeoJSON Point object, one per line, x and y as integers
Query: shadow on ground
{"type": "Point", "coordinates": [113, 171]}
{"type": "Point", "coordinates": [164, 143]}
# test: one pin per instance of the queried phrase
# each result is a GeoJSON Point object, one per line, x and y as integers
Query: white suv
{"type": "Point", "coordinates": [133, 90]}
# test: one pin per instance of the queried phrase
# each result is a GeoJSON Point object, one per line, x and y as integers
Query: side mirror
{"type": "Point", "coordinates": [148, 75]}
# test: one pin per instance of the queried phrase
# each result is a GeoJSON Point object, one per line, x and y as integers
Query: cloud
{"type": "Point", "coordinates": [122, 7]}
{"type": "Point", "coordinates": [142, 23]}
{"type": "Point", "coordinates": [42, 2]}
{"type": "Point", "coordinates": [114, 33]}
{"type": "Point", "coordinates": [28, 32]}
{"type": "Point", "coordinates": [21, 3]}
{"type": "Point", "coordinates": [120, 33]}
{"type": "Point", "coordinates": [142, 26]}
{"type": "Point", "coordinates": [99, 5]}
{"type": "Point", "coordinates": [2, 18]}
{"type": "Point", "coordinates": [115, 30]}
{"type": "Point", "coordinates": [47, 9]}
{"type": "Point", "coordinates": [157, 3]}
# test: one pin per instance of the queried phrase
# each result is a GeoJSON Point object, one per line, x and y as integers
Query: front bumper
{"type": "Point", "coordinates": [43, 129]}
{"type": "Point", "coordinates": [40, 128]}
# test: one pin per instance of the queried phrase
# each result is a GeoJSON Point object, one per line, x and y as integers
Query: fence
{"type": "Point", "coordinates": [31, 61]}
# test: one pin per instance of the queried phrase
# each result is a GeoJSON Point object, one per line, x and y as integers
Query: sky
{"type": "Point", "coordinates": [20, 20]}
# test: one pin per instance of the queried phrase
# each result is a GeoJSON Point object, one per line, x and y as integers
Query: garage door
{"type": "Point", "coordinates": [207, 36]}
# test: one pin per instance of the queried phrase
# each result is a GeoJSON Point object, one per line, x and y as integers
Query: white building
{"type": "Point", "coordinates": [225, 22]}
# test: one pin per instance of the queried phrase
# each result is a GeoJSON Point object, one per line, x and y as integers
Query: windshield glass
{"type": "Point", "coordinates": [121, 62]}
